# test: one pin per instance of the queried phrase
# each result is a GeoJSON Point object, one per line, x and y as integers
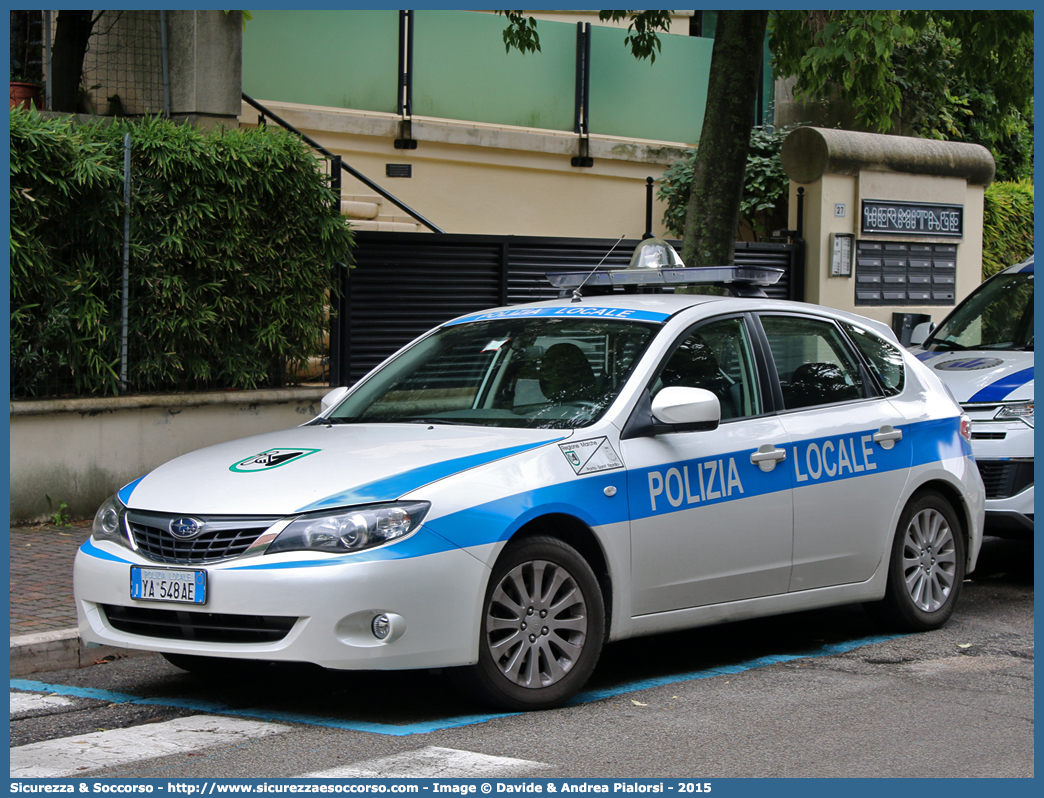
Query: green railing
{"type": "Point", "coordinates": [350, 59]}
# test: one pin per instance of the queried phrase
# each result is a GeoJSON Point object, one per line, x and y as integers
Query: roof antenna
{"type": "Point", "coordinates": [576, 291]}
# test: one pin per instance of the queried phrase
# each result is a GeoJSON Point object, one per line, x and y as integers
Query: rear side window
{"type": "Point", "coordinates": [885, 359]}
{"type": "Point", "coordinates": [814, 362]}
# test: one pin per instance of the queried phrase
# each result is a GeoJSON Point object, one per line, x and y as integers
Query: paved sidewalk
{"type": "Point", "coordinates": [43, 615]}
{"type": "Point", "coordinates": [41, 577]}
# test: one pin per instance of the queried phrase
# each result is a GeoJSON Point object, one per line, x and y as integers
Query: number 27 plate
{"type": "Point", "coordinates": [168, 584]}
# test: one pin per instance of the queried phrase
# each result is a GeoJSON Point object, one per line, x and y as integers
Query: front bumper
{"type": "Point", "coordinates": [296, 607]}
{"type": "Point", "coordinates": [1004, 454]}
{"type": "Point", "coordinates": [1007, 514]}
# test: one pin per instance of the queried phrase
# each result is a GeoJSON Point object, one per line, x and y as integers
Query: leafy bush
{"type": "Point", "coordinates": [764, 204]}
{"type": "Point", "coordinates": [1007, 235]}
{"type": "Point", "coordinates": [65, 199]}
{"type": "Point", "coordinates": [236, 241]}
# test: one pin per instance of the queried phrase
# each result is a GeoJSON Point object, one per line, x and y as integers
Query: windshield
{"type": "Point", "coordinates": [534, 372]}
{"type": "Point", "coordinates": [998, 315]}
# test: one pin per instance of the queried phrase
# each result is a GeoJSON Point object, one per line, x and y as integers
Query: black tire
{"type": "Point", "coordinates": [216, 667]}
{"type": "Point", "coordinates": [926, 569]}
{"type": "Point", "coordinates": [542, 627]}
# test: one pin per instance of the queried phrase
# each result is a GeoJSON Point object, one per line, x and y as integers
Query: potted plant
{"type": "Point", "coordinates": [26, 59]}
{"type": "Point", "coordinates": [25, 91]}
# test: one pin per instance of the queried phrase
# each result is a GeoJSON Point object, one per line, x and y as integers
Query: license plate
{"type": "Point", "coordinates": [168, 584]}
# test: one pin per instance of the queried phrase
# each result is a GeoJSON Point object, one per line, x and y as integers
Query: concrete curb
{"type": "Point", "coordinates": [58, 650]}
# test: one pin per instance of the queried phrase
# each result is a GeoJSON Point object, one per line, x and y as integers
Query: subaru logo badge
{"type": "Point", "coordinates": [185, 528]}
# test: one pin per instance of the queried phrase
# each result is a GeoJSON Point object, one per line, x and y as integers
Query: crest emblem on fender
{"type": "Point", "coordinates": [185, 528]}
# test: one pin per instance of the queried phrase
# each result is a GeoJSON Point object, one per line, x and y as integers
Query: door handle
{"type": "Point", "coordinates": [767, 456]}
{"type": "Point", "coordinates": [887, 436]}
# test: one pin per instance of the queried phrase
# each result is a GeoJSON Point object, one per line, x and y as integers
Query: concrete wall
{"type": "Point", "coordinates": [205, 50]}
{"type": "Point", "coordinates": [80, 451]}
{"type": "Point", "coordinates": [492, 179]}
{"type": "Point", "coordinates": [206, 56]}
{"type": "Point", "coordinates": [837, 167]}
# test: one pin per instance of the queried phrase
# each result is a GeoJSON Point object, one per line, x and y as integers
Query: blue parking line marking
{"type": "Point", "coordinates": [724, 670]}
{"type": "Point", "coordinates": [426, 727]}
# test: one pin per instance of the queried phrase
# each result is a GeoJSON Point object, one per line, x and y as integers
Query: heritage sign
{"type": "Point", "coordinates": [895, 217]}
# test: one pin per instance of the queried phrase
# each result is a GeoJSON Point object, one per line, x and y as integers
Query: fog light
{"type": "Point", "coordinates": [381, 627]}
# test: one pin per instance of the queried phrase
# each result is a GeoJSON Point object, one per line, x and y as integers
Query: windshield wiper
{"type": "Point", "coordinates": [946, 346]}
{"type": "Point", "coordinates": [443, 422]}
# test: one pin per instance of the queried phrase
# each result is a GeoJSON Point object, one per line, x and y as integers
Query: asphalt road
{"type": "Point", "coordinates": [816, 694]}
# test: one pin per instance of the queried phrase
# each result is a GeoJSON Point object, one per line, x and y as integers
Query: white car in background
{"type": "Point", "coordinates": [983, 352]}
{"type": "Point", "coordinates": [521, 485]}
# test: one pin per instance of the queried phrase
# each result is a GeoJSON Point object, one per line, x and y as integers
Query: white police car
{"type": "Point", "coordinates": [983, 352]}
{"type": "Point", "coordinates": [520, 486]}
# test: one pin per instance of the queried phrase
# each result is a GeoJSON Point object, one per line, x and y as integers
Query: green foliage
{"type": "Point", "coordinates": [63, 187]}
{"type": "Point", "coordinates": [764, 204]}
{"type": "Point", "coordinates": [236, 241]}
{"type": "Point", "coordinates": [642, 31]}
{"type": "Point", "coordinates": [58, 515]}
{"type": "Point", "coordinates": [943, 74]}
{"type": "Point", "coordinates": [1007, 235]}
{"type": "Point", "coordinates": [246, 16]}
{"type": "Point", "coordinates": [521, 33]}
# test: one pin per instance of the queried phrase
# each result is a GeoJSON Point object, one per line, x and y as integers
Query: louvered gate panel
{"type": "Point", "coordinates": [403, 284]}
{"type": "Point", "coordinates": [777, 256]}
{"type": "Point", "coordinates": [530, 259]}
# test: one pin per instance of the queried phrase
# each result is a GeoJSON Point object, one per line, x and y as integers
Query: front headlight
{"type": "Point", "coordinates": [350, 529]}
{"type": "Point", "coordinates": [1023, 411]}
{"type": "Point", "coordinates": [109, 522]}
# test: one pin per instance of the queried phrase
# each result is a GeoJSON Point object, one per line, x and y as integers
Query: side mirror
{"type": "Point", "coordinates": [920, 333]}
{"type": "Point", "coordinates": [687, 408]}
{"type": "Point", "coordinates": [332, 398]}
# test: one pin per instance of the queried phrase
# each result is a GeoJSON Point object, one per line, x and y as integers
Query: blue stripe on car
{"type": "Point", "coordinates": [570, 311]}
{"type": "Point", "coordinates": [998, 390]}
{"type": "Point", "coordinates": [395, 486]}
{"type": "Point", "coordinates": [125, 492]}
{"type": "Point", "coordinates": [89, 548]}
{"type": "Point", "coordinates": [585, 498]}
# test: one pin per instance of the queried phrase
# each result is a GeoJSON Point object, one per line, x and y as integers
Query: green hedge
{"type": "Point", "coordinates": [1007, 234]}
{"type": "Point", "coordinates": [236, 241]}
{"type": "Point", "coordinates": [763, 207]}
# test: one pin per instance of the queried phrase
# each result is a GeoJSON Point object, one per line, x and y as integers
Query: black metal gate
{"type": "Point", "coordinates": [403, 284]}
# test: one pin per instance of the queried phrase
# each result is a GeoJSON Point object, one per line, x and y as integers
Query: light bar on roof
{"type": "Point", "coordinates": [684, 275]}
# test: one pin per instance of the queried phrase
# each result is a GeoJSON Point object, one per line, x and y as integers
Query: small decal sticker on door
{"type": "Point", "coordinates": [591, 456]}
{"type": "Point", "coordinates": [269, 459]}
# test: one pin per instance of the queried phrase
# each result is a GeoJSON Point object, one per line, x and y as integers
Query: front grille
{"type": "Point", "coordinates": [206, 627]}
{"type": "Point", "coordinates": [989, 436]}
{"type": "Point", "coordinates": [1004, 478]}
{"type": "Point", "coordinates": [221, 538]}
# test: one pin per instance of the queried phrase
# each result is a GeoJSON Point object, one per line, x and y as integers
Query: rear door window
{"type": "Point", "coordinates": [813, 361]}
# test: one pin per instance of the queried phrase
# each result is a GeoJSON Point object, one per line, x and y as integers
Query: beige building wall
{"type": "Point", "coordinates": [835, 167]}
{"type": "Point", "coordinates": [489, 179]}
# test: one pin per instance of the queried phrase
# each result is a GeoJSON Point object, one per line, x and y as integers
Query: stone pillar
{"type": "Point", "coordinates": [206, 60]}
{"type": "Point", "coordinates": [910, 210]}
